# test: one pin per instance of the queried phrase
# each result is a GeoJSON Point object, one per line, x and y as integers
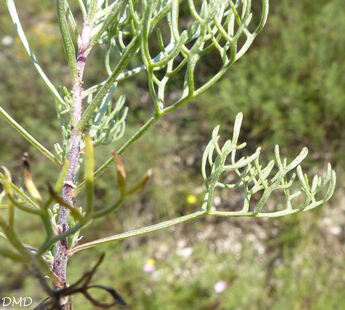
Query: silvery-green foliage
{"type": "Point", "coordinates": [254, 177]}
{"type": "Point", "coordinates": [150, 31]}
{"type": "Point", "coordinates": [127, 29]}
{"type": "Point", "coordinates": [108, 123]}
{"type": "Point", "coordinates": [62, 113]}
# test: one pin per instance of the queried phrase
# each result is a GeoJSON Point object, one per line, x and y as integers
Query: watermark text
{"type": "Point", "coordinates": [12, 301]}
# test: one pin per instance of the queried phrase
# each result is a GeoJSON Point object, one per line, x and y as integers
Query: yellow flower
{"type": "Point", "coordinates": [150, 261]}
{"type": "Point", "coordinates": [149, 266]}
{"type": "Point", "coordinates": [191, 199]}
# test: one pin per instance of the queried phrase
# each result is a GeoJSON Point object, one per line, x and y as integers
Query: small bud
{"type": "Point", "coordinates": [29, 183]}
{"type": "Point", "coordinates": [141, 183]}
{"type": "Point", "coordinates": [121, 173]}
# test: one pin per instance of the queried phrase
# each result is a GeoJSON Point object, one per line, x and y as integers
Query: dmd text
{"type": "Point", "coordinates": [13, 301]}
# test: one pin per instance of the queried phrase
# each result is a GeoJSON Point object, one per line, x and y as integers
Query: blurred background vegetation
{"type": "Point", "coordinates": [290, 87]}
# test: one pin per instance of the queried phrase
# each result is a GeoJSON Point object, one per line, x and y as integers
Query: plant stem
{"type": "Point", "coordinates": [121, 65]}
{"type": "Point", "coordinates": [15, 19]}
{"type": "Point", "coordinates": [61, 247]}
{"type": "Point", "coordinates": [140, 231]}
{"type": "Point", "coordinates": [186, 218]}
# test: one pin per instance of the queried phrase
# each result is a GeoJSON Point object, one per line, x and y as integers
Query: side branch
{"type": "Point", "coordinates": [187, 218]}
{"type": "Point", "coordinates": [139, 231]}
{"type": "Point", "coordinates": [15, 19]}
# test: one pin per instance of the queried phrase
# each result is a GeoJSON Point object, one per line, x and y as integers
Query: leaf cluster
{"type": "Point", "coordinates": [255, 178]}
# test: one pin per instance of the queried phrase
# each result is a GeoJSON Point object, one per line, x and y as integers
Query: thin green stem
{"type": "Point", "coordinates": [138, 232]}
{"type": "Point", "coordinates": [12, 237]}
{"type": "Point", "coordinates": [266, 214]}
{"type": "Point", "coordinates": [47, 226]}
{"type": "Point", "coordinates": [82, 7]}
{"type": "Point", "coordinates": [13, 256]}
{"type": "Point", "coordinates": [23, 207]}
{"type": "Point", "coordinates": [196, 93]}
{"type": "Point", "coordinates": [28, 136]}
{"type": "Point", "coordinates": [107, 210]}
{"type": "Point", "coordinates": [186, 218]}
{"type": "Point", "coordinates": [15, 19]}
{"type": "Point", "coordinates": [49, 243]}
{"type": "Point", "coordinates": [67, 39]}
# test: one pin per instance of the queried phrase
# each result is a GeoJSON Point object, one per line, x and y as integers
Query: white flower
{"type": "Point", "coordinates": [220, 286]}
{"type": "Point", "coordinates": [7, 40]}
{"type": "Point", "coordinates": [149, 266]}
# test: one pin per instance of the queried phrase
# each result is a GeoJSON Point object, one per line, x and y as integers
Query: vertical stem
{"type": "Point", "coordinates": [61, 247]}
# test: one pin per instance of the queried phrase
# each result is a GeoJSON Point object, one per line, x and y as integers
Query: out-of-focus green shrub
{"type": "Point", "coordinates": [291, 87]}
